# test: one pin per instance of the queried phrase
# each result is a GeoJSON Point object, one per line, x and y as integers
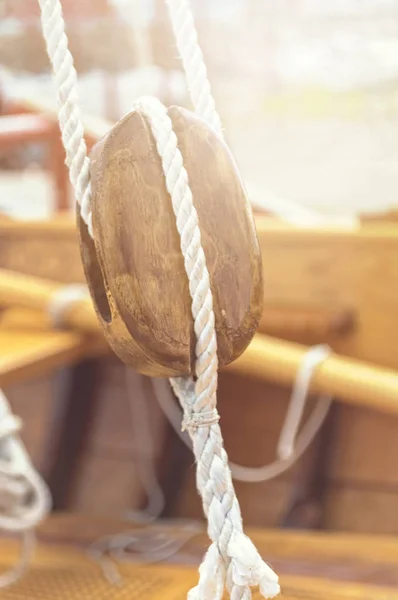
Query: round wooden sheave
{"type": "Point", "coordinates": [135, 268]}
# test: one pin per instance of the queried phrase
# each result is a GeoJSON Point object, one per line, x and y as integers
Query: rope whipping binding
{"type": "Point", "coordinates": [292, 444]}
{"type": "Point", "coordinates": [232, 559]}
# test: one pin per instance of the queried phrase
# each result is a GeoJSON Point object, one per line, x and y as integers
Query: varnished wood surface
{"type": "Point", "coordinates": [311, 566]}
{"type": "Point", "coordinates": [338, 269]}
{"type": "Point", "coordinates": [310, 268]}
{"type": "Point", "coordinates": [147, 318]}
{"type": "Point", "coordinates": [361, 558]}
{"type": "Point", "coordinates": [36, 294]}
{"type": "Point", "coordinates": [303, 268]}
{"type": "Point", "coordinates": [266, 358]}
{"type": "Point", "coordinates": [30, 351]}
{"type": "Point", "coordinates": [327, 271]}
{"type": "Point", "coordinates": [359, 383]}
{"type": "Point", "coordinates": [42, 248]}
{"type": "Point", "coordinates": [313, 324]}
{"type": "Point", "coordinates": [351, 270]}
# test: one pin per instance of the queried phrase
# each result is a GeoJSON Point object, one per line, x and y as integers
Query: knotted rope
{"type": "Point", "coordinates": [232, 558]}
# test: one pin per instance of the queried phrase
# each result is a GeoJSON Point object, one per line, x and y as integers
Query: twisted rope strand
{"type": "Point", "coordinates": [231, 556]}
{"type": "Point", "coordinates": [245, 567]}
{"type": "Point", "coordinates": [231, 549]}
{"type": "Point", "coordinates": [65, 78]}
{"type": "Point", "coordinates": [194, 65]}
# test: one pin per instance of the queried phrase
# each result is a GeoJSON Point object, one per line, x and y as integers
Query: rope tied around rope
{"type": "Point", "coordinates": [202, 419]}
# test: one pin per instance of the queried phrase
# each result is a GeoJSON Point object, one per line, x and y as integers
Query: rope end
{"type": "Point", "coordinates": [269, 589]}
{"type": "Point", "coordinates": [249, 569]}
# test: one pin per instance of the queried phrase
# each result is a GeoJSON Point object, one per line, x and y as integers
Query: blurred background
{"type": "Point", "coordinates": [305, 88]}
{"type": "Point", "coordinates": [308, 95]}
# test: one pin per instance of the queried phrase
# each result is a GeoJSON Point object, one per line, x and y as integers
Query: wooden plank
{"type": "Point", "coordinates": [366, 567]}
{"type": "Point", "coordinates": [304, 269]}
{"type": "Point", "coordinates": [60, 225]}
{"type": "Point", "coordinates": [347, 270]}
{"type": "Point", "coordinates": [361, 509]}
{"type": "Point", "coordinates": [352, 381]}
{"type": "Point", "coordinates": [313, 268]}
{"type": "Point", "coordinates": [362, 488]}
{"type": "Point", "coordinates": [68, 576]}
{"type": "Point", "coordinates": [268, 359]}
{"type": "Point", "coordinates": [37, 294]}
{"type": "Point", "coordinates": [79, 529]}
{"type": "Point", "coordinates": [29, 354]}
{"type": "Point", "coordinates": [33, 402]}
{"type": "Point", "coordinates": [365, 449]}
{"type": "Point", "coordinates": [91, 496]}
{"type": "Point", "coordinates": [337, 269]}
{"type": "Point", "coordinates": [42, 248]}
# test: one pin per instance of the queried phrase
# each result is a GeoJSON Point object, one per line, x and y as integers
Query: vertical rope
{"type": "Point", "coordinates": [194, 65]}
{"type": "Point", "coordinates": [243, 566]}
{"type": "Point", "coordinates": [65, 78]}
{"type": "Point", "coordinates": [232, 557]}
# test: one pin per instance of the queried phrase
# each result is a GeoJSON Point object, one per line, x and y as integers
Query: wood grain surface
{"type": "Point", "coordinates": [29, 350]}
{"type": "Point", "coordinates": [311, 566]}
{"type": "Point", "coordinates": [146, 312]}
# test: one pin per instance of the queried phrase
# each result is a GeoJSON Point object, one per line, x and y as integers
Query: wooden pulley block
{"type": "Point", "coordinates": [135, 268]}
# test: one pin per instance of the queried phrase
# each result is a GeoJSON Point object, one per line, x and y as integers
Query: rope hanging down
{"type": "Point", "coordinates": [291, 444]}
{"type": "Point", "coordinates": [232, 559]}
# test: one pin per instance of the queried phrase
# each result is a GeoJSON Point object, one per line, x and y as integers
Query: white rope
{"type": "Point", "coordinates": [298, 445]}
{"type": "Point", "coordinates": [24, 497]}
{"type": "Point", "coordinates": [232, 557]}
{"type": "Point", "coordinates": [152, 545]}
{"type": "Point", "coordinates": [70, 122]}
{"type": "Point", "coordinates": [194, 65]}
{"type": "Point", "coordinates": [312, 358]}
{"type": "Point", "coordinates": [149, 545]}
